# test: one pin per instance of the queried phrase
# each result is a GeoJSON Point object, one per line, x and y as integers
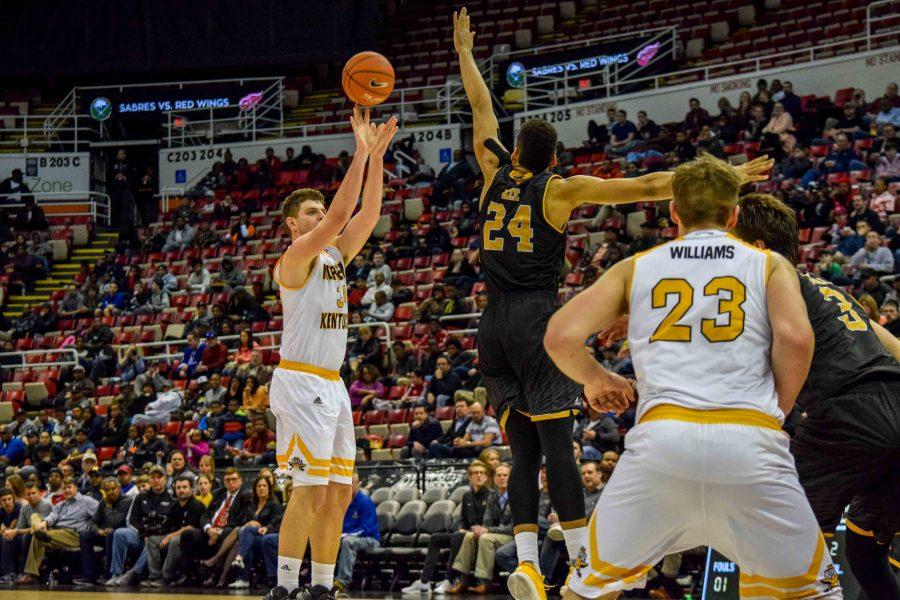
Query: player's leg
{"type": "Point", "coordinates": [526, 582]}
{"type": "Point", "coordinates": [642, 515]}
{"type": "Point", "coordinates": [325, 536]}
{"type": "Point", "coordinates": [755, 503]}
{"type": "Point", "coordinates": [869, 562]}
{"type": "Point", "coordinates": [303, 439]}
{"type": "Point", "coordinates": [564, 480]}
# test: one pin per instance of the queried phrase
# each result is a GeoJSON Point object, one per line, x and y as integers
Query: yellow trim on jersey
{"type": "Point", "coordinates": [544, 207]}
{"type": "Point", "coordinates": [503, 419]}
{"type": "Point", "coordinates": [303, 285]}
{"type": "Point", "coordinates": [311, 369]}
{"type": "Point", "coordinates": [768, 266]}
{"type": "Point", "coordinates": [721, 416]}
{"type": "Point", "coordinates": [525, 528]}
{"type": "Point", "coordinates": [894, 561]}
{"type": "Point", "coordinates": [782, 583]}
{"type": "Point", "coordinates": [297, 441]}
{"type": "Point", "coordinates": [344, 462]}
{"type": "Point", "coordinates": [857, 529]}
{"type": "Point", "coordinates": [341, 471]}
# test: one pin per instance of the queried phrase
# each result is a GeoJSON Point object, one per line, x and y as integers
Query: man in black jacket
{"type": "Point", "coordinates": [110, 516]}
{"type": "Point", "coordinates": [471, 516]}
{"type": "Point", "coordinates": [228, 509]}
{"type": "Point", "coordinates": [480, 545]}
{"type": "Point", "coordinates": [457, 429]}
{"type": "Point", "coordinates": [185, 515]}
{"type": "Point", "coordinates": [146, 517]}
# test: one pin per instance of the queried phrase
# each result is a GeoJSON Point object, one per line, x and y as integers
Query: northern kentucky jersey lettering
{"type": "Point", "coordinates": [315, 315]}
{"type": "Point", "coordinates": [699, 327]}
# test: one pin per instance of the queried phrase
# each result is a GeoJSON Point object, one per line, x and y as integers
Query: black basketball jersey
{"type": "Point", "coordinates": [520, 249]}
{"type": "Point", "coordinates": [848, 352]}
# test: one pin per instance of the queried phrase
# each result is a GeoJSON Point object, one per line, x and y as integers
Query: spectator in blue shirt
{"type": "Point", "coordinates": [623, 136]}
{"type": "Point", "coordinates": [841, 159]}
{"type": "Point", "coordinates": [12, 449]}
{"type": "Point", "coordinates": [114, 301]}
{"type": "Point", "coordinates": [360, 532]}
{"type": "Point", "coordinates": [193, 354]}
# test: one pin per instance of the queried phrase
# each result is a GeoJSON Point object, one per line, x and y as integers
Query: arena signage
{"type": "Point", "coordinates": [150, 103]}
{"type": "Point", "coordinates": [54, 172]}
{"type": "Point", "coordinates": [184, 167]}
{"type": "Point", "coordinates": [869, 71]}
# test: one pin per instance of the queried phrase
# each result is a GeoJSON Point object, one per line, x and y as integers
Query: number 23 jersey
{"type": "Point", "coordinates": [699, 328]}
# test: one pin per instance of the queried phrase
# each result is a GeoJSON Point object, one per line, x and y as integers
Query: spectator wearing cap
{"type": "Point", "coordinates": [125, 475]}
{"type": "Point", "coordinates": [111, 514]}
{"type": "Point", "coordinates": [59, 530]}
{"type": "Point", "coordinates": [873, 256]}
{"type": "Point", "coordinates": [54, 492]}
{"type": "Point", "coordinates": [193, 354]}
{"type": "Point", "coordinates": [88, 462]}
{"type": "Point", "coordinates": [160, 410]}
{"type": "Point", "coordinates": [649, 238]}
{"type": "Point", "coordinates": [870, 284]}
{"type": "Point", "coordinates": [214, 356]}
{"type": "Point", "coordinates": [80, 381]}
{"type": "Point", "coordinates": [146, 518]}
{"type": "Point", "coordinates": [12, 449]}
{"type": "Point", "coordinates": [84, 447]}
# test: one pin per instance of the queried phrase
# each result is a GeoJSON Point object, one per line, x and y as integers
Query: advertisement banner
{"type": "Point", "coordinates": [184, 167]}
{"type": "Point", "coordinates": [51, 171]}
{"type": "Point", "coordinates": [869, 71]}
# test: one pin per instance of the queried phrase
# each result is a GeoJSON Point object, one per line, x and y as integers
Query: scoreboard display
{"type": "Point", "coordinates": [721, 577]}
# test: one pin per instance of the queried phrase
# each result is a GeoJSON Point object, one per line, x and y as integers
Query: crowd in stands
{"type": "Point", "coordinates": [165, 465]}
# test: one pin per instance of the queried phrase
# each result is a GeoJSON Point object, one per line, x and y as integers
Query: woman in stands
{"type": "Point", "coordinates": [460, 272]}
{"type": "Point", "coordinates": [204, 490]}
{"type": "Point", "coordinates": [208, 467]}
{"type": "Point", "coordinates": [115, 431]}
{"type": "Point", "coordinates": [235, 392]}
{"type": "Point", "coordinates": [195, 447]}
{"type": "Point", "coordinates": [263, 513]}
{"type": "Point", "coordinates": [366, 388]}
{"type": "Point", "coordinates": [491, 459]}
{"type": "Point", "coordinates": [243, 353]}
{"type": "Point", "coordinates": [256, 396]}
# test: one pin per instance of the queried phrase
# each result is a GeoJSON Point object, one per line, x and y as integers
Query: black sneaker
{"type": "Point", "coordinates": [278, 592]}
{"type": "Point", "coordinates": [317, 592]}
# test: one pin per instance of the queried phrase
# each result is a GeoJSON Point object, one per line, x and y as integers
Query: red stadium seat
{"type": "Point", "coordinates": [375, 417]}
{"type": "Point", "coordinates": [172, 428]}
{"type": "Point", "coordinates": [396, 415]}
{"type": "Point", "coordinates": [442, 413]}
{"type": "Point", "coordinates": [105, 453]}
{"type": "Point", "coordinates": [397, 440]}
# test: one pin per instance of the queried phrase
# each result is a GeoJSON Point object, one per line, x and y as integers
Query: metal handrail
{"type": "Point", "coordinates": [180, 84]}
{"type": "Point", "coordinates": [21, 354]}
{"type": "Point", "coordinates": [169, 344]}
{"type": "Point", "coordinates": [870, 19]}
{"type": "Point", "coordinates": [99, 203]}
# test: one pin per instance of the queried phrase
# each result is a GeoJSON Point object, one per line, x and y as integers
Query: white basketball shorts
{"type": "Point", "coordinates": [314, 439]}
{"type": "Point", "coordinates": [720, 478]}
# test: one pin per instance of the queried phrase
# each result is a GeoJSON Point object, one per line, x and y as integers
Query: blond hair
{"type": "Point", "coordinates": [290, 206]}
{"type": "Point", "coordinates": [705, 190]}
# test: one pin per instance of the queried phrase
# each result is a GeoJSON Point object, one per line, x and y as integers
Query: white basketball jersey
{"type": "Point", "coordinates": [315, 315]}
{"type": "Point", "coordinates": [699, 329]}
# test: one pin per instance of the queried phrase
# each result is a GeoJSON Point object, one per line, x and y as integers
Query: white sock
{"type": "Point", "coordinates": [527, 548]}
{"type": "Point", "coordinates": [322, 574]}
{"type": "Point", "coordinates": [575, 541]}
{"type": "Point", "coordinates": [289, 572]}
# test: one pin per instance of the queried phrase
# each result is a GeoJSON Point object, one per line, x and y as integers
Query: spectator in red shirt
{"type": "Point", "coordinates": [214, 357]}
{"type": "Point", "coordinates": [256, 446]}
{"type": "Point", "coordinates": [273, 163]}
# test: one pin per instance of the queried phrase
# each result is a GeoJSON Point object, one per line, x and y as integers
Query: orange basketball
{"type": "Point", "coordinates": [368, 79]}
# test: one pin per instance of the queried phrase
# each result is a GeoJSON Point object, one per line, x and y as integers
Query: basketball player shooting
{"type": "Point", "coordinates": [523, 210]}
{"type": "Point", "coordinates": [721, 346]}
{"type": "Point", "coordinates": [315, 442]}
